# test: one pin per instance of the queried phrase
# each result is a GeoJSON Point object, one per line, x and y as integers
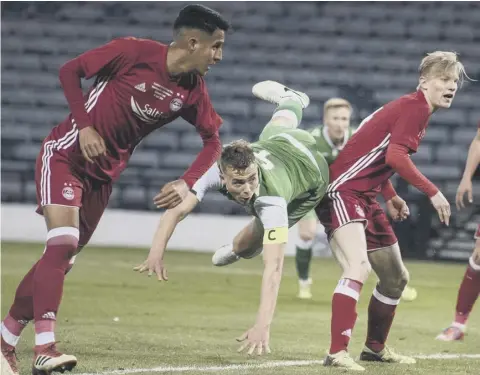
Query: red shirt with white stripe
{"type": "Point", "coordinates": [361, 166]}
{"type": "Point", "coordinates": [133, 95]}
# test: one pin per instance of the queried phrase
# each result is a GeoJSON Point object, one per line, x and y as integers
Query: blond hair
{"type": "Point", "coordinates": [336, 103]}
{"type": "Point", "coordinates": [440, 62]}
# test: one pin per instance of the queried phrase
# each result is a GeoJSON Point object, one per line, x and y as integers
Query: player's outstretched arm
{"type": "Point", "coordinates": [473, 160]}
{"type": "Point", "coordinates": [166, 227]}
{"type": "Point", "coordinates": [272, 211]}
{"type": "Point", "coordinates": [257, 338]}
{"type": "Point", "coordinates": [172, 217]}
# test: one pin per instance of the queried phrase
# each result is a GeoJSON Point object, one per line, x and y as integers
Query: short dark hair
{"type": "Point", "coordinates": [238, 155]}
{"type": "Point", "coordinates": [202, 18]}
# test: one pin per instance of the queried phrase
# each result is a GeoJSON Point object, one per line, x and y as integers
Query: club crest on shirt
{"type": "Point", "coordinates": [176, 104]}
{"type": "Point", "coordinates": [68, 193]}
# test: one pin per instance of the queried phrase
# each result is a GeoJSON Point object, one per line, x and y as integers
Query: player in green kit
{"type": "Point", "coordinates": [278, 180]}
{"type": "Point", "coordinates": [331, 137]}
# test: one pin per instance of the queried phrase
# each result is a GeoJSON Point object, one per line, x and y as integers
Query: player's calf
{"type": "Point", "coordinates": [9, 359]}
{"type": "Point", "coordinates": [467, 296]}
{"type": "Point", "coordinates": [394, 285]}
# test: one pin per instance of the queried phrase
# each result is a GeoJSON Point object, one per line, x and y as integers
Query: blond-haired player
{"type": "Point", "coordinates": [331, 137]}
{"type": "Point", "coordinates": [361, 237]}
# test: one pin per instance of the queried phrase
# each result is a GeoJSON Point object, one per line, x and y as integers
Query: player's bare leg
{"type": "Point", "coordinates": [467, 296]}
{"type": "Point", "coordinates": [349, 247]}
{"type": "Point", "coordinates": [39, 294]}
{"type": "Point", "coordinates": [246, 244]}
{"type": "Point", "coordinates": [303, 255]}
{"type": "Point", "coordinates": [393, 277]}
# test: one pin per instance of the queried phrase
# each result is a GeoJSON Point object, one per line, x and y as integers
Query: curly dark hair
{"type": "Point", "coordinates": [238, 155]}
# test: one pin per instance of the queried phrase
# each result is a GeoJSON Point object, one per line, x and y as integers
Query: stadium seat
{"type": "Point", "coordinates": [327, 49]}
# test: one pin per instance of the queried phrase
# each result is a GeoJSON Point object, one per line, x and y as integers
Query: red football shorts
{"type": "Point", "coordinates": [477, 233]}
{"type": "Point", "coordinates": [340, 208]}
{"type": "Point", "coordinates": [58, 183]}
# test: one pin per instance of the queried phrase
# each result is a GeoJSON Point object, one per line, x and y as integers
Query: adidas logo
{"type": "Point", "coordinates": [141, 87]}
{"type": "Point", "coordinates": [49, 315]}
{"type": "Point", "coordinates": [347, 332]}
{"type": "Point", "coordinates": [41, 360]}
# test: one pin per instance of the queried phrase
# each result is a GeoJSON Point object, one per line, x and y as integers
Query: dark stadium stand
{"type": "Point", "coordinates": [365, 52]}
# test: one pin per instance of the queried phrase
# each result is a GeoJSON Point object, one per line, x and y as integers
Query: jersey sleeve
{"type": "Point", "coordinates": [110, 59]}
{"type": "Point", "coordinates": [115, 57]}
{"type": "Point", "coordinates": [272, 212]}
{"type": "Point", "coordinates": [410, 125]}
{"type": "Point", "coordinates": [210, 180]}
{"type": "Point", "coordinates": [201, 114]}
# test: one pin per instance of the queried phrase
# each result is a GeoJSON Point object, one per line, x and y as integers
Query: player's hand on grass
{"type": "Point", "coordinates": [153, 264]}
{"type": "Point", "coordinates": [397, 208]}
{"type": "Point", "coordinates": [172, 194]}
{"type": "Point", "coordinates": [91, 144]}
{"type": "Point", "coordinates": [442, 206]}
{"type": "Point", "coordinates": [465, 187]}
{"type": "Point", "coordinates": [255, 340]}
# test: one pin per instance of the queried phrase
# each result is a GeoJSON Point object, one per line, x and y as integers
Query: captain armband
{"type": "Point", "coordinates": [275, 236]}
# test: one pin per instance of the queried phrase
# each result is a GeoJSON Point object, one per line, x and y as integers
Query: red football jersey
{"type": "Point", "coordinates": [361, 166]}
{"type": "Point", "coordinates": [133, 95]}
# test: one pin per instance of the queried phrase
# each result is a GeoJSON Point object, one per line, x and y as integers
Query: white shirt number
{"type": "Point", "coordinates": [262, 158]}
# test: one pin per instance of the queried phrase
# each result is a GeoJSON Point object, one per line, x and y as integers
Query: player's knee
{"type": "Point", "coordinates": [403, 279]}
{"type": "Point", "coordinates": [365, 269]}
{"type": "Point", "coordinates": [357, 271]}
{"type": "Point", "coordinates": [306, 233]}
{"type": "Point", "coordinates": [393, 287]}
{"type": "Point", "coordinates": [304, 242]}
{"type": "Point", "coordinates": [62, 244]}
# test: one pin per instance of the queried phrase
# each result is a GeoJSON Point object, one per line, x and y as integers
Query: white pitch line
{"type": "Point", "coordinates": [245, 366]}
{"type": "Point", "coordinates": [253, 366]}
{"type": "Point", "coordinates": [447, 356]}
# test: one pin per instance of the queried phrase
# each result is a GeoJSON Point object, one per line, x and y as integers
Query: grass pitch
{"type": "Point", "coordinates": [191, 321]}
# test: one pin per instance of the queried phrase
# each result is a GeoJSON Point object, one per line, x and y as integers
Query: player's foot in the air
{"type": "Point", "coordinates": [224, 256]}
{"type": "Point", "coordinates": [9, 359]}
{"type": "Point", "coordinates": [48, 359]}
{"type": "Point", "coordinates": [387, 355]}
{"type": "Point", "coordinates": [451, 333]}
{"type": "Point", "coordinates": [275, 92]}
{"type": "Point", "coordinates": [304, 289]}
{"type": "Point", "coordinates": [342, 360]}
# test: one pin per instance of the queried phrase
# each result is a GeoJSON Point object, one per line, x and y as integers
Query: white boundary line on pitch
{"type": "Point", "coordinates": [253, 366]}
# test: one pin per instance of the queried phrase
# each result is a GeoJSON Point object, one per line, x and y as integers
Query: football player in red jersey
{"type": "Point", "coordinates": [140, 86]}
{"type": "Point", "coordinates": [360, 234]}
{"type": "Point", "coordinates": [470, 286]}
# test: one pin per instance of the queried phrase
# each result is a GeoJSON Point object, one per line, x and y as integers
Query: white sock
{"type": "Point", "coordinates": [9, 337]}
{"type": "Point", "coordinates": [44, 338]}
